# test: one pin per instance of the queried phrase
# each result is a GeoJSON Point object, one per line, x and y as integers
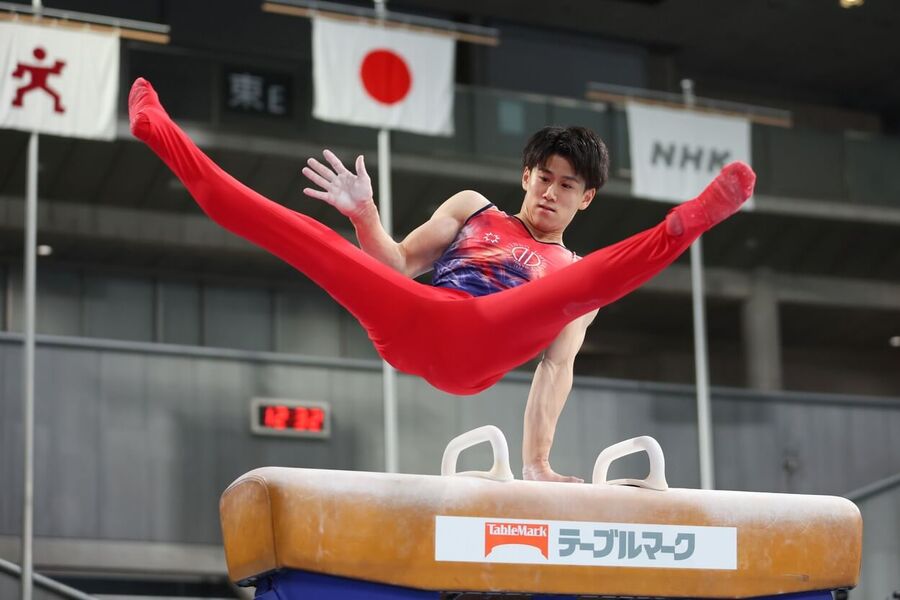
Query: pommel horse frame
{"type": "Point", "coordinates": [343, 535]}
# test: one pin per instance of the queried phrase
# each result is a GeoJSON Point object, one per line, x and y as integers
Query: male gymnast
{"type": "Point", "coordinates": [493, 273]}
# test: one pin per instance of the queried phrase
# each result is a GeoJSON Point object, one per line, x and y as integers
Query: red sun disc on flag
{"type": "Point", "coordinates": [386, 76]}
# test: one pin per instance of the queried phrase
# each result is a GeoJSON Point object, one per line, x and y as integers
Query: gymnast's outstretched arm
{"type": "Point", "coordinates": [550, 389]}
{"type": "Point", "coordinates": [351, 194]}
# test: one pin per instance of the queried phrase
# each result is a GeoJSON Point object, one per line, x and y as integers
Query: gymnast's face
{"type": "Point", "coordinates": [554, 193]}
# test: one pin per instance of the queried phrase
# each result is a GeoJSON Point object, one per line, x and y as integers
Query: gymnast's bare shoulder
{"type": "Point", "coordinates": [463, 205]}
{"type": "Point", "coordinates": [428, 241]}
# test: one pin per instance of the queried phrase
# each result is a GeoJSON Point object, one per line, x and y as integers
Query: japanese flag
{"type": "Point", "coordinates": [383, 77]}
{"type": "Point", "coordinates": [58, 81]}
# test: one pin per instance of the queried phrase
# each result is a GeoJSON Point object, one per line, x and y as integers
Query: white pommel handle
{"type": "Point", "coordinates": [488, 433]}
{"type": "Point", "coordinates": [656, 480]}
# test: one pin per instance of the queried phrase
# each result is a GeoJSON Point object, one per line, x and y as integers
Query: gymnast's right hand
{"type": "Point", "coordinates": [350, 193]}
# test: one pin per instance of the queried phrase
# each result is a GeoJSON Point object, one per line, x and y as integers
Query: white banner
{"type": "Point", "coordinates": [58, 81]}
{"type": "Point", "coordinates": [676, 153]}
{"type": "Point", "coordinates": [522, 541]}
{"type": "Point", "coordinates": [383, 77]}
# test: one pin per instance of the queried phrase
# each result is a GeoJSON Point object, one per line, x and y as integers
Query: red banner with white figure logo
{"type": "Point", "coordinates": [58, 81]}
{"type": "Point", "coordinates": [383, 77]}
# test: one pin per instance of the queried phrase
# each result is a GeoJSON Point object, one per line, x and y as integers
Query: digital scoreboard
{"type": "Point", "coordinates": [299, 418]}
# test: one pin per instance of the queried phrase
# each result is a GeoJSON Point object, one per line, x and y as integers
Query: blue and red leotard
{"type": "Point", "coordinates": [494, 252]}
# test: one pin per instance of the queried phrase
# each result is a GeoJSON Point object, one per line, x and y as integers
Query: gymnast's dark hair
{"type": "Point", "coordinates": [579, 145]}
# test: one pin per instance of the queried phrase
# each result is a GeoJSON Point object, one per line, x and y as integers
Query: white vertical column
{"type": "Point", "coordinates": [389, 375]}
{"type": "Point", "coordinates": [28, 366]}
{"type": "Point", "coordinates": [701, 354]}
{"type": "Point", "coordinates": [30, 281]}
{"type": "Point", "coordinates": [701, 359]}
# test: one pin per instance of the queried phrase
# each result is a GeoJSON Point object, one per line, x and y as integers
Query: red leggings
{"type": "Point", "coordinates": [458, 343]}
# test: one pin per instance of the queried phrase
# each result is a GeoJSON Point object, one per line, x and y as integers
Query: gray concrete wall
{"type": "Point", "coordinates": [136, 443]}
{"type": "Point", "coordinates": [880, 576]}
{"type": "Point", "coordinates": [9, 588]}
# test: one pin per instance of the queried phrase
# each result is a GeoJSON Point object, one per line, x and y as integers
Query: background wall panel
{"type": "Point", "coordinates": [138, 445]}
{"type": "Point", "coordinates": [118, 307]}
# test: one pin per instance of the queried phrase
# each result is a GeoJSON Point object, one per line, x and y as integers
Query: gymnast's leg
{"type": "Point", "coordinates": [604, 276]}
{"type": "Point", "coordinates": [375, 294]}
{"type": "Point", "coordinates": [503, 330]}
{"type": "Point", "coordinates": [459, 345]}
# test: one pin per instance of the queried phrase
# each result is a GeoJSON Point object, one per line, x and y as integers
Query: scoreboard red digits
{"type": "Point", "coordinates": [316, 419]}
{"type": "Point", "coordinates": [290, 417]}
{"type": "Point", "coordinates": [275, 417]}
{"type": "Point", "coordinates": [306, 418]}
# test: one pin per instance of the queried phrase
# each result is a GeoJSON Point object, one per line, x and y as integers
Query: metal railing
{"type": "Point", "coordinates": [837, 171]}
{"type": "Point", "coordinates": [475, 34]}
{"type": "Point", "coordinates": [87, 18]}
{"type": "Point", "coordinates": [45, 582]}
{"type": "Point", "coordinates": [620, 94]}
{"type": "Point", "coordinates": [874, 488]}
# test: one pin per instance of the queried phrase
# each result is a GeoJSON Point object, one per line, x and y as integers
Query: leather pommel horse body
{"type": "Point", "coordinates": [308, 533]}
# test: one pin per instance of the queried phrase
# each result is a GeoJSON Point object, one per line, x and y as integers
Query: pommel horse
{"type": "Point", "coordinates": [345, 535]}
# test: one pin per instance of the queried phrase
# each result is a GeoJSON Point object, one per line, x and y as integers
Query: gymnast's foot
{"type": "Point", "coordinates": [143, 109]}
{"type": "Point", "coordinates": [543, 472]}
{"type": "Point", "coordinates": [722, 198]}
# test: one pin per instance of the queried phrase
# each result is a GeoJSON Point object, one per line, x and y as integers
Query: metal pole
{"type": "Point", "coordinates": [28, 358]}
{"type": "Point", "coordinates": [701, 354]}
{"type": "Point", "coordinates": [389, 375]}
{"type": "Point", "coordinates": [701, 358]}
{"type": "Point", "coordinates": [28, 376]}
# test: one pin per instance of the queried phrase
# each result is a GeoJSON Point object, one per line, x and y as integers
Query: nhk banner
{"type": "Point", "coordinates": [676, 153]}
{"type": "Point", "coordinates": [383, 77]}
{"type": "Point", "coordinates": [515, 541]}
{"type": "Point", "coordinates": [58, 81]}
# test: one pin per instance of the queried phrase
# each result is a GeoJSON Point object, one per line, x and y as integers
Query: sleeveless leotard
{"type": "Point", "coordinates": [495, 251]}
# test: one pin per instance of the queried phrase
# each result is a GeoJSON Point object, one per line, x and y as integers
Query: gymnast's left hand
{"type": "Point", "coordinates": [350, 193]}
